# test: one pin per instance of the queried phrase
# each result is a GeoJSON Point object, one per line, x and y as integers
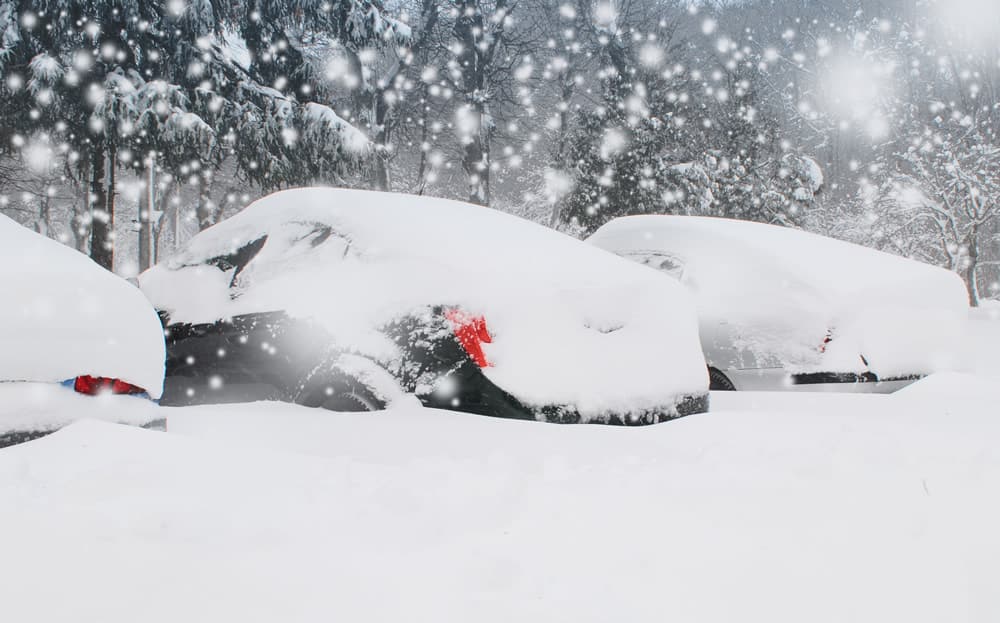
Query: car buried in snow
{"type": "Point", "coordinates": [68, 325]}
{"type": "Point", "coordinates": [349, 300]}
{"type": "Point", "coordinates": [783, 309]}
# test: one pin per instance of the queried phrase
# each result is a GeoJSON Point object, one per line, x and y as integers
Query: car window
{"type": "Point", "coordinates": [658, 260]}
{"type": "Point", "coordinates": [307, 239]}
{"type": "Point", "coordinates": [239, 258]}
{"type": "Point", "coordinates": [312, 234]}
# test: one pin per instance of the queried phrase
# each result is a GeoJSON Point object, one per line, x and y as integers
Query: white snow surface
{"type": "Point", "coordinates": [571, 324]}
{"type": "Point", "coordinates": [775, 292]}
{"type": "Point", "coordinates": [64, 316]}
{"type": "Point", "coordinates": [40, 407]}
{"type": "Point", "coordinates": [982, 340]}
{"type": "Point", "coordinates": [866, 509]}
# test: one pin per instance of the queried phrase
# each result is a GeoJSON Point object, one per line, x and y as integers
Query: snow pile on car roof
{"type": "Point", "coordinates": [778, 291]}
{"type": "Point", "coordinates": [64, 316]}
{"type": "Point", "coordinates": [572, 324]}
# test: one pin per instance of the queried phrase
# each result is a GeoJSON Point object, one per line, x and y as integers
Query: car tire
{"type": "Point", "coordinates": [342, 394]}
{"type": "Point", "coordinates": [719, 382]}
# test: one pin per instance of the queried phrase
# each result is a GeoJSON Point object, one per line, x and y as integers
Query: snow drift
{"type": "Point", "coordinates": [571, 324]}
{"type": "Point", "coordinates": [773, 295]}
{"type": "Point", "coordinates": [64, 316]}
{"type": "Point", "coordinates": [862, 515]}
{"type": "Point", "coordinates": [32, 409]}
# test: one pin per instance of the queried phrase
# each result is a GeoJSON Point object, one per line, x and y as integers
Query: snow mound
{"type": "Point", "coordinates": [777, 292]}
{"type": "Point", "coordinates": [866, 517]}
{"type": "Point", "coordinates": [982, 340]}
{"type": "Point", "coordinates": [571, 324]}
{"type": "Point", "coordinates": [64, 316]}
{"type": "Point", "coordinates": [948, 387]}
{"type": "Point", "coordinates": [42, 407]}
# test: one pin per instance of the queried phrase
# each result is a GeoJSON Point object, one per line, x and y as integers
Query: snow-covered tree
{"type": "Point", "coordinates": [249, 71]}
{"type": "Point", "coordinates": [481, 63]}
{"type": "Point", "coordinates": [682, 128]}
{"type": "Point", "coordinates": [70, 71]}
{"type": "Point", "coordinates": [936, 196]}
{"type": "Point", "coordinates": [622, 148]}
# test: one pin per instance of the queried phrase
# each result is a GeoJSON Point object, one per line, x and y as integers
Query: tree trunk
{"type": "Point", "coordinates": [562, 142]}
{"type": "Point", "coordinates": [207, 212]}
{"type": "Point", "coordinates": [380, 175]}
{"type": "Point", "coordinates": [380, 112]}
{"type": "Point", "coordinates": [422, 164]}
{"type": "Point", "coordinates": [109, 207]}
{"type": "Point", "coordinates": [82, 213]}
{"type": "Point", "coordinates": [166, 229]}
{"type": "Point", "coordinates": [473, 59]}
{"type": "Point", "coordinates": [146, 206]}
{"type": "Point", "coordinates": [44, 223]}
{"type": "Point", "coordinates": [476, 157]}
{"type": "Point", "coordinates": [102, 224]}
{"type": "Point", "coordinates": [973, 267]}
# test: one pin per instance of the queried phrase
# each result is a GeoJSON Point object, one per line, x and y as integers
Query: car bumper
{"type": "Point", "coordinates": [470, 391]}
{"type": "Point", "coordinates": [778, 379]}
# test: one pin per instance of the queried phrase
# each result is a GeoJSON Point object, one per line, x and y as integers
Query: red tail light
{"type": "Point", "coordinates": [93, 385]}
{"type": "Point", "coordinates": [826, 340]}
{"type": "Point", "coordinates": [471, 333]}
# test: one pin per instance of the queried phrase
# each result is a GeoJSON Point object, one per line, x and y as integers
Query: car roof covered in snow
{"type": "Point", "coordinates": [439, 249]}
{"type": "Point", "coordinates": [65, 316]}
{"type": "Point", "coordinates": [730, 254]}
{"type": "Point", "coordinates": [354, 260]}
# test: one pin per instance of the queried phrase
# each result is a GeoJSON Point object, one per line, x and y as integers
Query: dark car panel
{"type": "Point", "coordinates": [271, 356]}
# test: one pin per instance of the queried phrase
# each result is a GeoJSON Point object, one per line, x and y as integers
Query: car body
{"type": "Point", "coordinates": [784, 309]}
{"type": "Point", "coordinates": [67, 321]}
{"type": "Point", "coordinates": [351, 299]}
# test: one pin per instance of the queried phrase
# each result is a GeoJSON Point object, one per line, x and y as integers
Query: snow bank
{"type": "Point", "coordinates": [571, 324]}
{"type": "Point", "coordinates": [43, 407]}
{"type": "Point", "coordinates": [64, 316]}
{"type": "Point", "coordinates": [948, 391]}
{"type": "Point", "coordinates": [982, 340]}
{"type": "Point", "coordinates": [416, 515]}
{"type": "Point", "coordinates": [775, 292]}
{"type": "Point", "coordinates": [809, 403]}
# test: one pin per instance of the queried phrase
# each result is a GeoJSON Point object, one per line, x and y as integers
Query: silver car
{"type": "Point", "coordinates": [783, 309]}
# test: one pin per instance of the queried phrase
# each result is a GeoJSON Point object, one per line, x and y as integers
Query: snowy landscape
{"type": "Point", "coordinates": [495, 310]}
{"type": "Point", "coordinates": [776, 507]}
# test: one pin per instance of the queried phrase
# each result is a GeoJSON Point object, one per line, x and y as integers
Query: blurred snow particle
{"type": "Point", "coordinates": [651, 55]}
{"type": "Point", "coordinates": [605, 14]}
{"type": "Point", "coordinates": [613, 143]}
{"type": "Point", "coordinates": [558, 184]}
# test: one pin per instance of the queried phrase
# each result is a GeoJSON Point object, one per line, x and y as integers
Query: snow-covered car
{"type": "Point", "coordinates": [65, 320]}
{"type": "Point", "coordinates": [781, 308]}
{"type": "Point", "coordinates": [349, 300]}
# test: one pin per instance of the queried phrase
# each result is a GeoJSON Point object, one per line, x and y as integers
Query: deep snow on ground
{"type": "Point", "coordinates": [878, 509]}
{"type": "Point", "coordinates": [773, 507]}
{"type": "Point", "coordinates": [982, 340]}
